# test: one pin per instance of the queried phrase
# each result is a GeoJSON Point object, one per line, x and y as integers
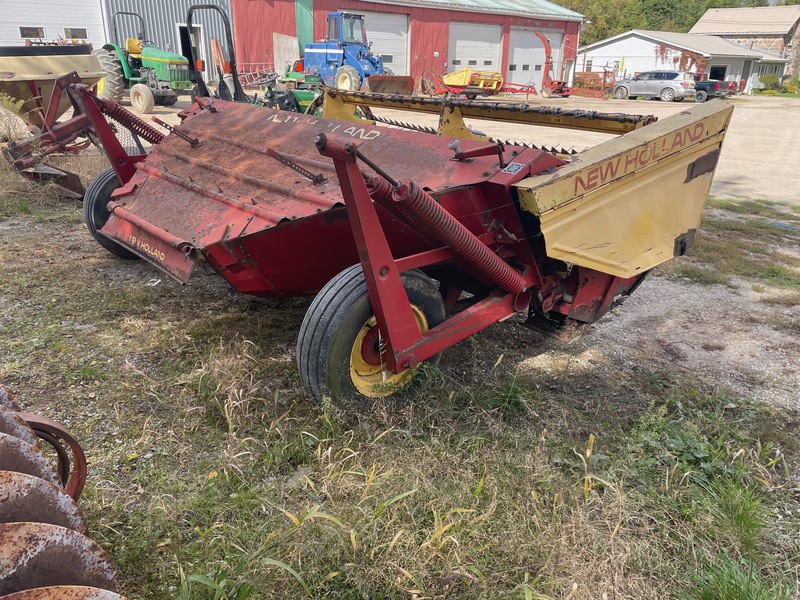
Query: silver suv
{"type": "Point", "coordinates": [667, 85]}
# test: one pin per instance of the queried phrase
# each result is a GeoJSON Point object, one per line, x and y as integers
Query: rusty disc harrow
{"type": "Point", "coordinates": [44, 552]}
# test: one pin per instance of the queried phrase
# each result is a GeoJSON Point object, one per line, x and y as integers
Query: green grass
{"type": "Point", "coordinates": [745, 239]}
{"type": "Point", "coordinates": [212, 475]}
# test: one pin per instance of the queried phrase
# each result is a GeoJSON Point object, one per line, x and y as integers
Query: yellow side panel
{"type": "Point", "coordinates": [631, 226]}
{"type": "Point", "coordinates": [621, 206]}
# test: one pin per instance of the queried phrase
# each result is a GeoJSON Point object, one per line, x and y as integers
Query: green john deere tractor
{"type": "Point", "coordinates": [152, 75]}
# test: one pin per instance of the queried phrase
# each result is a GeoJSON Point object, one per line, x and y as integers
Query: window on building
{"type": "Point", "coordinates": [31, 32]}
{"type": "Point", "coordinates": [388, 58]}
{"type": "Point", "coordinates": [589, 65]}
{"type": "Point", "coordinates": [487, 63]}
{"type": "Point", "coordinates": [767, 69]}
{"type": "Point", "coordinates": [512, 67]}
{"type": "Point", "coordinates": [75, 33]}
{"type": "Point", "coordinates": [473, 63]}
{"type": "Point", "coordinates": [717, 72]}
{"type": "Point", "coordinates": [526, 67]}
{"type": "Point", "coordinates": [456, 62]}
{"type": "Point", "coordinates": [537, 67]}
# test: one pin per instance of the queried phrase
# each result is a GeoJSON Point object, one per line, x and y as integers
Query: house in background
{"type": "Point", "coordinates": [774, 29]}
{"type": "Point", "coordinates": [718, 58]}
{"type": "Point", "coordinates": [51, 20]}
{"type": "Point", "coordinates": [415, 36]}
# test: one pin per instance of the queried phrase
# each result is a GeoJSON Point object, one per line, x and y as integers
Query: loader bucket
{"type": "Point", "coordinates": [391, 84]}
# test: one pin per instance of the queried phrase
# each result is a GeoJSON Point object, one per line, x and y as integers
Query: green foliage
{"type": "Point", "coordinates": [735, 580]}
{"type": "Point", "coordinates": [769, 80]}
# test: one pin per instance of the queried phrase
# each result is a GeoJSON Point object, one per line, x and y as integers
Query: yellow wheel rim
{"type": "Point", "coordinates": [376, 381]}
{"type": "Point", "coordinates": [101, 85]}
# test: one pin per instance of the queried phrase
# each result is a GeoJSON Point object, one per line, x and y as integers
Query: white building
{"type": "Point", "coordinates": [639, 50]}
{"type": "Point", "coordinates": [50, 21]}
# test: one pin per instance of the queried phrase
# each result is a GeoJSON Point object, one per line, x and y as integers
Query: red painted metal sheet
{"type": "Point", "coordinates": [254, 23]}
{"type": "Point", "coordinates": [267, 228]}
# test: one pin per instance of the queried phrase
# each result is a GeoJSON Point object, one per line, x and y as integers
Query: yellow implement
{"type": "Point", "coordinates": [473, 83]}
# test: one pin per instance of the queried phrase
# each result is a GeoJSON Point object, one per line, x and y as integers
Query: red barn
{"type": "Point", "coordinates": [418, 35]}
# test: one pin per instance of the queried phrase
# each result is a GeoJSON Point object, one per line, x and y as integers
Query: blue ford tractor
{"type": "Point", "coordinates": [344, 60]}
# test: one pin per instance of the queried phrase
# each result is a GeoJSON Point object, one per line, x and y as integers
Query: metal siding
{"type": "Point", "coordinates": [161, 20]}
{"type": "Point", "coordinates": [254, 22]}
{"type": "Point", "coordinates": [53, 15]}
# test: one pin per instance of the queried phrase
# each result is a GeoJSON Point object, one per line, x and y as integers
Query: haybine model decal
{"type": "Point", "coordinates": [361, 133]}
{"type": "Point", "coordinates": [638, 158]}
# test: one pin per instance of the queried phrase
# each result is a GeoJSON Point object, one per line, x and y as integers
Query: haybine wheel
{"type": "Point", "coordinates": [347, 78]}
{"type": "Point", "coordinates": [547, 92]}
{"type": "Point", "coordinates": [339, 350]}
{"type": "Point", "coordinates": [95, 213]}
{"type": "Point", "coordinates": [111, 86]}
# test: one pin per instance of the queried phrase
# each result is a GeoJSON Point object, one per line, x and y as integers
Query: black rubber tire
{"type": "Point", "coordinates": [95, 214]}
{"type": "Point", "coordinates": [347, 78]}
{"type": "Point", "coordinates": [471, 96]}
{"type": "Point", "coordinates": [701, 96]}
{"type": "Point", "coordinates": [333, 321]}
{"type": "Point", "coordinates": [114, 80]}
{"type": "Point", "coordinates": [667, 95]}
{"type": "Point", "coordinates": [621, 93]}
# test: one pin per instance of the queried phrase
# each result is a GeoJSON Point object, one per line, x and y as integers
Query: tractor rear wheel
{"type": "Point", "coordinates": [142, 99]}
{"type": "Point", "coordinates": [347, 78]}
{"type": "Point", "coordinates": [112, 85]}
{"type": "Point", "coordinates": [339, 348]}
{"type": "Point", "coordinates": [95, 213]}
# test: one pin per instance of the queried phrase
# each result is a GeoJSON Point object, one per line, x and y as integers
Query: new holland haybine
{"type": "Point", "coordinates": [411, 242]}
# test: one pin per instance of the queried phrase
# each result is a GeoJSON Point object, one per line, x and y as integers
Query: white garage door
{"type": "Point", "coordinates": [526, 57]}
{"type": "Point", "coordinates": [388, 33]}
{"type": "Point", "coordinates": [474, 45]}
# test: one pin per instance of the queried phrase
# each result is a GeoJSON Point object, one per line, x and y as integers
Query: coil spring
{"type": "Point", "coordinates": [130, 121]}
{"type": "Point", "coordinates": [447, 228]}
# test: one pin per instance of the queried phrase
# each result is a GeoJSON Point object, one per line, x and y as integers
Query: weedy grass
{"type": "Point", "coordinates": [213, 476]}
{"type": "Point", "coordinates": [741, 239]}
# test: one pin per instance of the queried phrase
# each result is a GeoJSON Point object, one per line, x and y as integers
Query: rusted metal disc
{"type": "Point", "coordinates": [64, 592]}
{"type": "Point", "coordinates": [34, 555]}
{"type": "Point", "coordinates": [27, 498]}
{"type": "Point", "coordinates": [72, 465]}
{"type": "Point", "coordinates": [19, 456]}
{"type": "Point", "coordinates": [13, 424]}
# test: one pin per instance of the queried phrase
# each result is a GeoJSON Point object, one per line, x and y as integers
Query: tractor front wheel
{"type": "Point", "coordinates": [112, 84]}
{"type": "Point", "coordinates": [142, 99]}
{"type": "Point", "coordinates": [339, 349]}
{"type": "Point", "coordinates": [347, 78]}
{"type": "Point", "coordinates": [95, 211]}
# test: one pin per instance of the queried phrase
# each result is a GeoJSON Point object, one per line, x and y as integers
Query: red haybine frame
{"type": "Point", "coordinates": [412, 242]}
